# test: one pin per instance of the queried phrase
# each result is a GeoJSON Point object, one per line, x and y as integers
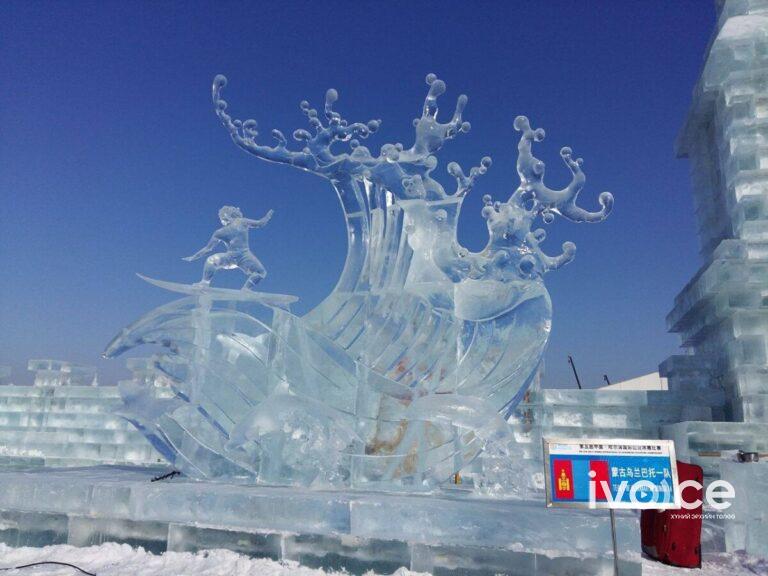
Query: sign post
{"type": "Point", "coordinates": [611, 473]}
{"type": "Point", "coordinates": [615, 546]}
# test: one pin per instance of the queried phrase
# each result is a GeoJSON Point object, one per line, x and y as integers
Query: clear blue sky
{"type": "Point", "coordinates": [112, 161]}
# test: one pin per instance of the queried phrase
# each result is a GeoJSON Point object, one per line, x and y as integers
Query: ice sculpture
{"type": "Point", "coordinates": [407, 370]}
{"type": "Point", "coordinates": [234, 235]}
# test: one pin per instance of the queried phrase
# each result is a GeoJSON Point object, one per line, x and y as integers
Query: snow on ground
{"type": "Point", "coordinates": [713, 565]}
{"type": "Point", "coordinates": [121, 560]}
{"type": "Point", "coordinates": [112, 559]}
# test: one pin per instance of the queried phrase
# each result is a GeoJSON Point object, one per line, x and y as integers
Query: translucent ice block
{"type": "Point", "coordinates": [59, 373]}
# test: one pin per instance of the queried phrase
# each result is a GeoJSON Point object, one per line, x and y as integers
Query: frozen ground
{"type": "Point", "coordinates": [122, 560]}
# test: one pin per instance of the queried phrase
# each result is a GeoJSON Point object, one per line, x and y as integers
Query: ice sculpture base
{"type": "Point", "coordinates": [445, 533]}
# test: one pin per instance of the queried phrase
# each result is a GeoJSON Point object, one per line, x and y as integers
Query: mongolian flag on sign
{"type": "Point", "coordinates": [562, 471]}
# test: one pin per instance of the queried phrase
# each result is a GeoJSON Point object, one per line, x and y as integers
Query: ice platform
{"type": "Point", "coordinates": [451, 532]}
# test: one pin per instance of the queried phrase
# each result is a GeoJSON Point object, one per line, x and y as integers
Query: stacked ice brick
{"type": "Point", "coordinates": [63, 420]}
{"type": "Point", "coordinates": [748, 530]}
{"type": "Point", "coordinates": [556, 413]}
{"type": "Point", "coordinates": [444, 534]}
{"type": "Point", "coordinates": [722, 313]}
{"type": "Point", "coordinates": [54, 373]}
{"type": "Point", "coordinates": [608, 413]}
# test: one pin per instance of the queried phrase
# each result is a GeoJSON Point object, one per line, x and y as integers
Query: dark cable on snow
{"type": "Point", "coordinates": [166, 476]}
{"type": "Point", "coordinates": [50, 562]}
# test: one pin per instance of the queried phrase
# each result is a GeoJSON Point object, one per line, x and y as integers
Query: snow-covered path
{"type": "Point", "coordinates": [121, 560]}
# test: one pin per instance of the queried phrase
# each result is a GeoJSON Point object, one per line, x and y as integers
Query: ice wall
{"type": "Point", "coordinates": [64, 421]}
{"type": "Point", "coordinates": [722, 314]}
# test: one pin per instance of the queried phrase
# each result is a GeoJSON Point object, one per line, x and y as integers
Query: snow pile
{"type": "Point", "coordinates": [736, 564]}
{"type": "Point", "coordinates": [112, 559]}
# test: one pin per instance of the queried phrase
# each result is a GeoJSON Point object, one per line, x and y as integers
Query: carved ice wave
{"type": "Point", "coordinates": [404, 373]}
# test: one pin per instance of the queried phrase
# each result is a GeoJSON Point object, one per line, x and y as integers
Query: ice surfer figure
{"type": "Point", "coordinates": [234, 235]}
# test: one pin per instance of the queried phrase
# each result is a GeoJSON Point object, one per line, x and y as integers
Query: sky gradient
{"type": "Point", "coordinates": [112, 161]}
